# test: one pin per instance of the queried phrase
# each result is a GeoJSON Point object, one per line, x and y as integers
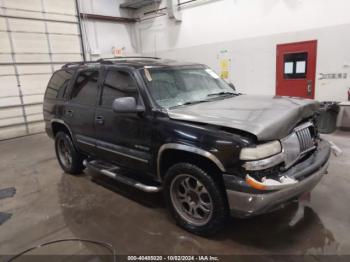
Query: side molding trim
{"type": "Point", "coordinates": [190, 149]}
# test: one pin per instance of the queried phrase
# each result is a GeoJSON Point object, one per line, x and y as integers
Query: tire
{"type": "Point", "coordinates": [70, 160]}
{"type": "Point", "coordinates": [195, 200]}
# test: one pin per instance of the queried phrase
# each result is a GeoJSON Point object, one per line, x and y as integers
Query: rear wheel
{"type": "Point", "coordinates": [194, 199]}
{"type": "Point", "coordinates": [68, 157]}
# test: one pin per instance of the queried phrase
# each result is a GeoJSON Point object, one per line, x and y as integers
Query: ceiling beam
{"type": "Point", "coordinates": [117, 19]}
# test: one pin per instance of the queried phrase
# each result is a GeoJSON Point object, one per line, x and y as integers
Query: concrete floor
{"type": "Point", "coordinates": [50, 205]}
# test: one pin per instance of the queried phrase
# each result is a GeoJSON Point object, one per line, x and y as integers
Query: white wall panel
{"type": "Point", "coordinates": [65, 43]}
{"type": "Point", "coordinates": [8, 86]}
{"type": "Point", "coordinates": [249, 31]}
{"type": "Point", "coordinates": [36, 127]}
{"type": "Point", "coordinates": [2, 24]}
{"type": "Point", "coordinates": [61, 6]}
{"type": "Point", "coordinates": [12, 121]}
{"type": "Point", "coordinates": [34, 109]}
{"type": "Point", "coordinates": [4, 43]}
{"type": "Point", "coordinates": [9, 102]}
{"type": "Point", "coordinates": [5, 70]}
{"type": "Point", "coordinates": [36, 117]}
{"type": "Point", "coordinates": [27, 58]}
{"type": "Point", "coordinates": [33, 84]}
{"type": "Point", "coordinates": [23, 4]}
{"type": "Point", "coordinates": [11, 132]}
{"type": "Point", "coordinates": [61, 17]}
{"type": "Point", "coordinates": [32, 69]}
{"type": "Point", "coordinates": [25, 14]}
{"type": "Point", "coordinates": [62, 28]}
{"type": "Point", "coordinates": [11, 112]}
{"type": "Point", "coordinates": [65, 57]}
{"type": "Point", "coordinates": [30, 99]}
{"type": "Point", "coordinates": [253, 68]}
{"type": "Point", "coordinates": [24, 42]}
{"type": "Point", "coordinates": [5, 58]}
{"type": "Point", "coordinates": [29, 26]}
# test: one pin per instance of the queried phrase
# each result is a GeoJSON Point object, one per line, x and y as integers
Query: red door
{"type": "Point", "coordinates": [296, 69]}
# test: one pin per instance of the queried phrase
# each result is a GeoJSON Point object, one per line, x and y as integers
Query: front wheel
{"type": "Point", "coordinates": [195, 199]}
{"type": "Point", "coordinates": [68, 157]}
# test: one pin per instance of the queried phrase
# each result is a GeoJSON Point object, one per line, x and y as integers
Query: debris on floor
{"type": "Point", "coordinates": [7, 192]}
{"type": "Point", "coordinates": [4, 217]}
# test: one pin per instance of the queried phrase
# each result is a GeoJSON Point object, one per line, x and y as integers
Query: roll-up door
{"type": "Point", "coordinates": [36, 38]}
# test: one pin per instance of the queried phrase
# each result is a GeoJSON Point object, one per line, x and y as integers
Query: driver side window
{"type": "Point", "coordinates": [118, 84]}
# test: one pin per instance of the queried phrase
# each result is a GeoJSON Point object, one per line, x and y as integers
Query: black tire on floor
{"type": "Point", "coordinates": [68, 157]}
{"type": "Point", "coordinates": [219, 208]}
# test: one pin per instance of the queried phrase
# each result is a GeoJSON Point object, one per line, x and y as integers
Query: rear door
{"type": "Point", "coordinates": [296, 68]}
{"type": "Point", "coordinates": [122, 138]}
{"type": "Point", "coordinates": [79, 110]}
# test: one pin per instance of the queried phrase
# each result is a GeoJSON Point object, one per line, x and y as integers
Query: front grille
{"type": "Point", "coordinates": [306, 141]}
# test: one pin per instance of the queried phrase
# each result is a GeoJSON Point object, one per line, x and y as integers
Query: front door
{"type": "Point", "coordinates": [296, 68]}
{"type": "Point", "coordinates": [122, 138]}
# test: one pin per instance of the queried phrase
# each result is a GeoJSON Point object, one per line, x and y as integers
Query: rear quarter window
{"type": "Point", "coordinates": [58, 84]}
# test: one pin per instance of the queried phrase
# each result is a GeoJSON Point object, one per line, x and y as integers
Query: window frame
{"type": "Point", "coordinates": [287, 58]}
{"type": "Point", "coordinates": [66, 88]}
{"type": "Point", "coordinates": [103, 77]}
{"type": "Point", "coordinates": [77, 73]}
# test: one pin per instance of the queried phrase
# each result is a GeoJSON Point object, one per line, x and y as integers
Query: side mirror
{"type": "Point", "coordinates": [232, 86]}
{"type": "Point", "coordinates": [126, 105]}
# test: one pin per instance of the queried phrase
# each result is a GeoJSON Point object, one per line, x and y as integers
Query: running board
{"type": "Point", "coordinates": [111, 171]}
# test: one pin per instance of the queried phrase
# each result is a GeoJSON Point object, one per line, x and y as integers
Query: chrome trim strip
{"type": "Point", "coordinates": [131, 182]}
{"type": "Point", "coordinates": [53, 120]}
{"type": "Point", "coordinates": [122, 154]}
{"type": "Point", "coordinates": [302, 126]}
{"type": "Point", "coordinates": [83, 142]}
{"type": "Point", "coordinates": [190, 149]}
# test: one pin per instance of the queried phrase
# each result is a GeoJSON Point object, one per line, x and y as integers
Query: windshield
{"type": "Point", "coordinates": [172, 87]}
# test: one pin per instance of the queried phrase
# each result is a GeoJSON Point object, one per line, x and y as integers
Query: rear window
{"type": "Point", "coordinates": [58, 84]}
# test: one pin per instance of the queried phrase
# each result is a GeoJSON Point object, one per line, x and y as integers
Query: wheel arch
{"type": "Point", "coordinates": [169, 154]}
{"type": "Point", "coordinates": [59, 125]}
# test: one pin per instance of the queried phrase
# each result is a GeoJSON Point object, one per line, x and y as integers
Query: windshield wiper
{"type": "Point", "coordinates": [190, 103]}
{"type": "Point", "coordinates": [222, 93]}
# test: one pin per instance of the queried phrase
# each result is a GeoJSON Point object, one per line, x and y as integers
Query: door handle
{"type": "Point", "coordinates": [99, 120]}
{"type": "Point", "coordinates": [309, 87]}
{"type": "Point", "coordinates": [69, 112]}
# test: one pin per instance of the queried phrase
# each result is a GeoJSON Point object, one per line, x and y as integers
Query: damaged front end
{"type": "Point", "coordinates": [293, 169]}
{"type": "Point", "coordinates": [297, 146]}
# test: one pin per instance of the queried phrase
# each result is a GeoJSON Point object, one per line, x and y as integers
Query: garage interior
{"type": "Point", "coordinates": [243, 41]}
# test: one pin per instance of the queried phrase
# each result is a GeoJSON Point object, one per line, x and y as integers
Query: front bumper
{"type": "Point", "coordinates": [308, 173]}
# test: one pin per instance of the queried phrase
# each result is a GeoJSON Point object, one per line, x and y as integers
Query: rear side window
{"type": "Point", "coordinates": [58, 84]}
{"type": "Point", "coordinates": [118, 84]}
{"type": "Point", "coordinates": [85, 88]}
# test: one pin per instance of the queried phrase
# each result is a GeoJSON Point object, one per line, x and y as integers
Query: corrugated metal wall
{"type": "Point", "coordinates": [36, 38]}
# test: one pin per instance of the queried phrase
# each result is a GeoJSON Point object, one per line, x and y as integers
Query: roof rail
{"type": "Point", "coordinates": [127, 57]}
{"type": "Point", "coordinates": [107, 60]}
{"type": "Point", "coordinates": [78, 63]}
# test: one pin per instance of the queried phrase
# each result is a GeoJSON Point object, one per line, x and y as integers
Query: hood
{"type": "Point", "coordinates": [266, 117]}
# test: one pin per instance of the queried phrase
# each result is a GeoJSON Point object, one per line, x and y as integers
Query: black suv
{"type": "Point", "coordinates": [177, 127]}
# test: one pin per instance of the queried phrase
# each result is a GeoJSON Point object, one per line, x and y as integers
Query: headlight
{"type": "Point", "coordinates": [261, 151]}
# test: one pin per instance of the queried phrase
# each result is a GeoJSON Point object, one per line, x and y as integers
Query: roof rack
{"type": "Point", "coordinates": [107, 60]}
{"type": "Point", "coordinates": [127, 57]}
{"type": "Point", "coordinates": [79, 63]}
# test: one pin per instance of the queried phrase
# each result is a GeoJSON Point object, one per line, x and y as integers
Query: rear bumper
{"type": "Point", "coordinates": [308, 172]}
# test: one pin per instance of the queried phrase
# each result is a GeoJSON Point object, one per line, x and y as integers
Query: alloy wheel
{"type": "Point", "coordinates": [191, 199]}
{"type": "Point", "coordinates": [64, 153]}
